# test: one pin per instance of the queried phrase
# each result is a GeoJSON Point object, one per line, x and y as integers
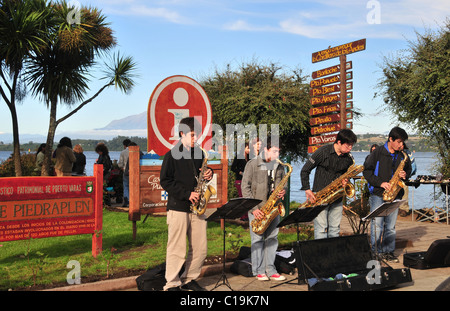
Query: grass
{"type": "Point", "coordinates": [42, 263]}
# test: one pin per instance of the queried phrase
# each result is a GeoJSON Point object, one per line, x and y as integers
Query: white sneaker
{"type": "Point", "coordinates": [277, 277]}
{"type": "Point", "coordinates": [262, 277]}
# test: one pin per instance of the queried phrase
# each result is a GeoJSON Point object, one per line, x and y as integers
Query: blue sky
{"type": "Point", "coordinates": [196, 37]}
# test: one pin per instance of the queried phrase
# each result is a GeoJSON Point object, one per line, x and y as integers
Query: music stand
{"type": "Point", "coordinates": [383, 210]}
{"type": "Point", "coordinates": [234, 208]}
{"type": "Point", "coordinates": [301, 215]}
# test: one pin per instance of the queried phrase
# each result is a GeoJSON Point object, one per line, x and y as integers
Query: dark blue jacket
{"type": "Point", "coordinates": [380, 166]}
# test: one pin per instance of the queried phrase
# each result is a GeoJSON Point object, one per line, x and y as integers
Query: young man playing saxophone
{"type": "Point", "coordinates": [330, 162]}
{"type": "Point", "coordinates": [179, 170]}
{"type": "Point", "coordinates": [379, 168]}
{"type": "Point", "coordinates": [261, 176]}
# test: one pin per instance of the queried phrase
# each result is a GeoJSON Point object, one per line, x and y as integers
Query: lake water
{"type": "Point", "coordinates": [422, 196]}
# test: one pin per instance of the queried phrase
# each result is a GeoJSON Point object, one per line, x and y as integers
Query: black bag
{"type": "Point", "coordinates": [242, 267]}
{"type": "Point", "coordinates": [285, 264]}
{"type": "Point", "coordinates": [344, 264]}
{"type": "Point", "coordinates": [437, 255]}
{"type": "Point", "coordinates": [153, 279]}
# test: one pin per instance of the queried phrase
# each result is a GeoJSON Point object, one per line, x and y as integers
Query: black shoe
{"type": "Point", "coordinates": [125, 202]}
{"type": "Point", "coordinates": [193, 286]}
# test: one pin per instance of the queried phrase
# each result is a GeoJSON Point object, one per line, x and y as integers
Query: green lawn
{"type": "Point", "coordinates": [43, 262]}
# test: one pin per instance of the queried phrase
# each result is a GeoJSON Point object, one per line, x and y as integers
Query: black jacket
{"type": "Point", "coordinates": [380, 166]}
{"type": "Point", "coordinates": [178, 172]}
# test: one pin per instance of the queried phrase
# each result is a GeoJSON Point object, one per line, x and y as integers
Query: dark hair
{"type": "Point", "coordinates": [65, 141]}
{"type": "Point", "coordinates": [102, 147]}
{"type": "Point", "coordinates": [346, 136]}
{"type": "Point", "coordinates": [398, 133]}
{"type": "Point", "coordinates": [126, 142]}
{"type": "Point", "coordinates": [189, 124]}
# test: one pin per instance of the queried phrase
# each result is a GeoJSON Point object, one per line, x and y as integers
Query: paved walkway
{"type": "Point", "coordinates": [412, 236]}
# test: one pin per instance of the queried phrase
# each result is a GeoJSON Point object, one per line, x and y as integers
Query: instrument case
{"type": "Point", "coordinates": [437, 255]}
{"type": "Point", "coordinates": [345, 264]}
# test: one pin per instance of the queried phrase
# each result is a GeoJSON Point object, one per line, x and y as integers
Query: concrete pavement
{"type": "Point", "coordinates": [412, 236]}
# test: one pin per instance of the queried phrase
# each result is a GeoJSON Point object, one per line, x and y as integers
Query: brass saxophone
{"type": "Point", "coordinates": [395, 182]}
{"type": "Point", "coordinates": [335, 189]}
{"type": "Point", "coordinates": [273, 206]}
{"type": "Point", "coordinates": [204, 190]}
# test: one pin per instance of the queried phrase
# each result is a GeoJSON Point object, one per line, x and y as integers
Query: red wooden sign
{"type": "Point", "coordinates": [325, 90]}
{"type": "Point", "coordinates": [325, 109]}
{"type": "Point", "coordinates": [330, 70]}
{"type": "Point", "coordinates": [323, 139]}
{"type": "Point", "coordinates": [336, 51]}
{"type": "Point", "coordinates": [312, 149]}
{"type": "Point", "coordinates": [325, 81]}
{"type": "Point", "coordinates": [331, 118]}
{"type": "Point", "coordinates": [325, 129]}
{"type": "Point", "coordinates": [326, 99]}
{"type": "Point", "coordinates": [175, 98]}
{"type": "Point", "coordinates": [42, 207]}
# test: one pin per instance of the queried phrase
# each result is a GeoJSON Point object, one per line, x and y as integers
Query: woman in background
{"type": "Point", "coordinates": [80, 163]}
{"type": "Point", "coordinates": [64, 157]}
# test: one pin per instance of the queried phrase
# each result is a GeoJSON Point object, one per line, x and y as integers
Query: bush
{"type": "Point", "coordinates": [28, 161]}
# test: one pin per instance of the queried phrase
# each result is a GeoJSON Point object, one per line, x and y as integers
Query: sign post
{"type": "Point", "coordinates": [330, 91]}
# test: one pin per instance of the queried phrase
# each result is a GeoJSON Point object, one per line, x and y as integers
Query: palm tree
{"type": "Point", "coordinates": [60, 74]}
{"type": "Point", "coordinates": [23, 33]}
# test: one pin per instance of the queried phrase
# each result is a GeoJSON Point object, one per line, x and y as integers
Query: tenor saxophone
{"type": "Point", "coordinates": [336, 189]}
{"type": "Point", "coordinates": [204, 190]}
{"type": "Point", "coordinates": [273, 206]}
{"type": "Point", "coordinates": [395, 182]}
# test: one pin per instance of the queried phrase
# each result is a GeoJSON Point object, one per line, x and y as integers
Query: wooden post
{"type": "Point", "coordinates": [97, 236]}
{"type": "Point", "coordinates": [343, 60]}
{"type": "Point", "coordinates": [133, 212]}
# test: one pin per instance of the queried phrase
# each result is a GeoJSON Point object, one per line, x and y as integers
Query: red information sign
{"type": "Point", "coordinates": [41, 207]}
{"type": "Point", "coordinates": [173, 99]}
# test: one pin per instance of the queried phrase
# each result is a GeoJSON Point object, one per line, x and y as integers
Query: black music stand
{"type": "Point", "coordinates": [234, 208]}
{"type": "Point", "coordinates": [383, 210]}
{"type": "Point", "coordinates": [301, 215]}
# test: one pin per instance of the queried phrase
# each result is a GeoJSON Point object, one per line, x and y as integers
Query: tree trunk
{"type": "Point", "coordinates": [16, 142]}
{"type": "Point", "coordinates": [46, 165]}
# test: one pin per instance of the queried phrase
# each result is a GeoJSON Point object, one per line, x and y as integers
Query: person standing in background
{"type": "Point", "coordinates": [80, 163]}
{"type": "Point", "coordinates": [123, 165]}
{"type": "Point", "coordinates": [64, 157]}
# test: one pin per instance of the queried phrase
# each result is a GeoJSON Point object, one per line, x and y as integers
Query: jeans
{"type": "Point", "coordinates": [126, 186]}
{"type": "Point", "coordinates": [264, 248]}
{"type": "Point", "coordinates": [328, 223]}
{"type": "Point", "coordinates": [382, 229]}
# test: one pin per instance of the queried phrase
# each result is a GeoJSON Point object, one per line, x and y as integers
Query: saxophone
{"type": "Point", "coordinates": [273, 206]}
{"type": "Point", "coordinates": [204, 190]}
{"type": "Point", "coordinates": [335, 189]}
{"type": "Point", "coordinates": [395, 182]}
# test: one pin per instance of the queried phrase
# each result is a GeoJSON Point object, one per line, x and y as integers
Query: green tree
{"type": "Point", "coordinates": [60, 74]}
{"type": "Point", "coordinates": [23, 33]}
{"type": "Point", "coordinates": [263, 94]}
{"type": "Point", "coordinates": [416, 89]}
